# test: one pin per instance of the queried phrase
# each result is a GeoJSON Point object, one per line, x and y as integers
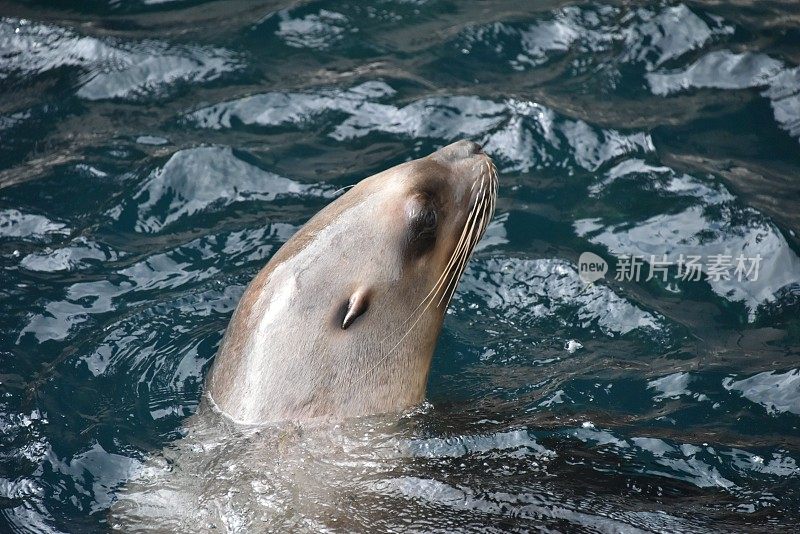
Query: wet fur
{"type": "Point", "coordinates": [285, 355]}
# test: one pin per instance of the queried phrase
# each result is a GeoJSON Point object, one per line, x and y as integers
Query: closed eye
{"type": "Point", "coordinates": [424, 223]}
{"type": "Point", "coordinates": [422, 226]}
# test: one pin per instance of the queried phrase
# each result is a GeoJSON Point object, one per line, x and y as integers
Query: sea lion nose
{"type": "Point", "coordinates": [459, 150]}
{"type": "Point", "coordinates": [467, 148]}
{"type": "Point", "coordinates": [475, 148]}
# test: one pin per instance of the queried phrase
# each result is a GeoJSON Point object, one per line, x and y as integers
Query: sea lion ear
{"type": "Point", "coordinates": [358, 304]}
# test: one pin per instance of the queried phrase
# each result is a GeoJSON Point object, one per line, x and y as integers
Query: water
{"type": "Point", "coordinates": [154, 155]}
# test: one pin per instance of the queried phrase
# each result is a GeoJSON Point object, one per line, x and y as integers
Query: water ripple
{"type": "Point", "coordinates": [29, 226]}
{"type": "Point", "coordinates": [777, 392]}
{"type": "Point", "coordinates": [150, 164]}
{"type": "Point", "coordinates": [109, 68]}
{"type": "Point", "coordinates": [201, 179]}
{"type": "Point", "coordinates": [641, 35]}
{"type": "Point", "coordinates": [530, 290]}
{"type": "Point", "coordinates": [714, 225]}
{"type": "Point", "coordinates": [522, 135]}
{"type": "Point", "coordinates": [723, 69]}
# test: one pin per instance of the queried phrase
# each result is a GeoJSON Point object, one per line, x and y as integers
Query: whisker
{"type": "Point", "coordinates": [474, 238]}
{"type": "Point", "coordinates": [464, 257]}
{"type": "Point", "coordinates": [474, 227]}
{"type": "Point", "coordinates": [459, 244]}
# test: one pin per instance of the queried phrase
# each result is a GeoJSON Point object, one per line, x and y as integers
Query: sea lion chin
{"type": "Point", "coordinates": [344, 319]}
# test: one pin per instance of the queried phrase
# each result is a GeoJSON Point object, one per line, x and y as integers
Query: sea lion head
{"type": "Point", "coordinates": [429, 214]}
{"type": "Point", "coordinates": [344, 319]}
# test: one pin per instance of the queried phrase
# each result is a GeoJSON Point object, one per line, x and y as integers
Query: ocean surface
{"type": "Point", "coordinates": [155, 154]}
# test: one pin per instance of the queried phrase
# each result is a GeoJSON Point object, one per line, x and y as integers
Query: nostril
{"type": "Point", "coordinates": [474, 148]}
{"type": "Point", "coordinates": [468, 148]}
{"type": "Point", "coordinates": [457, 151]}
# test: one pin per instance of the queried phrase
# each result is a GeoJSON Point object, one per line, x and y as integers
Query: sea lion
{"type": "Point", "coordinates": [344, 319]}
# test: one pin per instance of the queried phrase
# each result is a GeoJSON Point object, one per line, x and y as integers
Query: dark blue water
{"type": "Point", "coordinates": [154, 155]}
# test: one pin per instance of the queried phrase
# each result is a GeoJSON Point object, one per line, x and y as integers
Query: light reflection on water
{"type": "Point", "coordinates": [154, 156]}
